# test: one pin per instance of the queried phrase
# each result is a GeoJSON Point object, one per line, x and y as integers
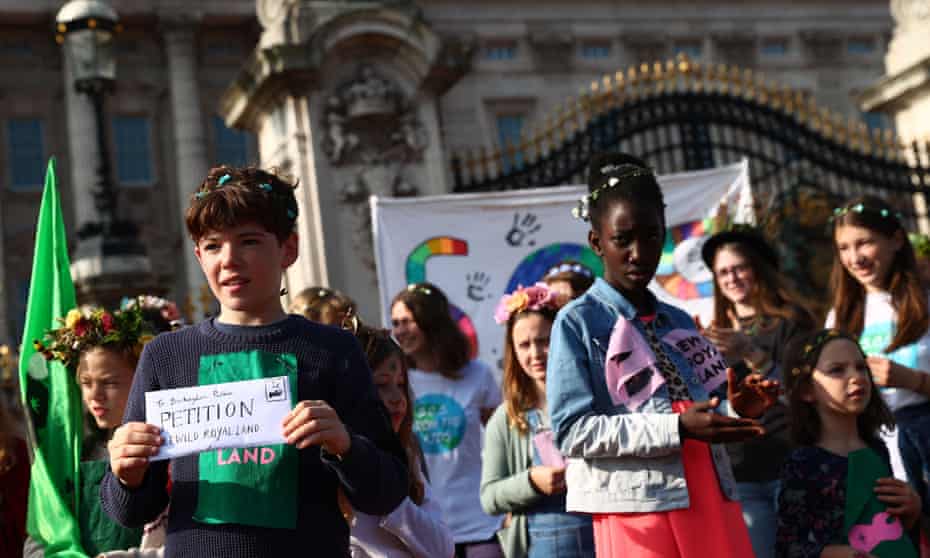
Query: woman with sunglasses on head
{"type": "Point", "coordinates": [415, 528]}
{"type": "Point", "coordinates": [455, 396]}
{"type": "Point", "coordinates": [755, 317]}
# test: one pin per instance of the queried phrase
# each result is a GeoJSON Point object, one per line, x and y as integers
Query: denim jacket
{"type": "Point", "coordinates": [619, 461]}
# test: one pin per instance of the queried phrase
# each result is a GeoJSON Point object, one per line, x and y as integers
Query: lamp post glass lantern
{"type": "Point", "coordinates": [109, 252]}
{"type": "Point", "coordinates": [85, 29]}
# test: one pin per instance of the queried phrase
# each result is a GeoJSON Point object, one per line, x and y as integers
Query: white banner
{"type": "Point", "coordinates": [477, 247]}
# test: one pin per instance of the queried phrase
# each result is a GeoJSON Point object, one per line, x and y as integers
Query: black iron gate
{"type": "Point", "coordinates": [683, 116]}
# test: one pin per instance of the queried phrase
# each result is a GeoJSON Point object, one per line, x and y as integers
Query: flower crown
{"type": "Point", "coordinates": [583, 209]}
{"type": "Point", "coordinates": [566, 267]}
{"type": "Point", "coordinates": [419, 288]}
{"type": "Point", "coordinates": [166, 308]}
{"type": "Point", "coordinates": [812, 350]}
{"type": "Point", "coordinates": [81, 331]}
{"type": "Point", "coordinates": [861, 208]}
{"type": "Point", "coordinates": [535, 297]}
{"type": "Point", "coordinates": [287, 199]}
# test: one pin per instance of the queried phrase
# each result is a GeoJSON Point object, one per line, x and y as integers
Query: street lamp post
{"type": "Point", "coordinates": [110, 262]}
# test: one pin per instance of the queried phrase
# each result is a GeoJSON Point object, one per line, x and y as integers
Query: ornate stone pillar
{"type": "Point", "coordinates": [904, 92]}
{"type": "Point", "coordinates": [191, 163]}
{"type": "Point", "coordinates": [82, 149]}
{"type": "Point", "coordinates": [344, 96]}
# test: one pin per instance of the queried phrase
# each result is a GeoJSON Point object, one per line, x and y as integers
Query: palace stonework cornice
{"type": "Point", "coordinates": [895, 91]}
{"type": "Point", "coordinates": [910, 12]}
{"type": "Point", "coordinates": [304, 34]}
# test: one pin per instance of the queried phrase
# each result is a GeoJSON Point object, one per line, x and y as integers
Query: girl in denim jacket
{"type": "Point", "coordinates": [629, 379]}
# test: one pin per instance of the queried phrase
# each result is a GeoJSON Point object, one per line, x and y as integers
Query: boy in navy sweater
{"type": "Point", "coordinates": [279, 500]}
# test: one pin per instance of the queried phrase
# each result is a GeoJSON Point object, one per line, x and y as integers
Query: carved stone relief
{"type": "Point", "coordinates": [372, 136]}
{"type": "Point", "coordinates": [369, 120]}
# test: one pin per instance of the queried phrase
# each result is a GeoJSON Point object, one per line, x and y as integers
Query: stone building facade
{"type": "Point", "coordinates": [302, 84]}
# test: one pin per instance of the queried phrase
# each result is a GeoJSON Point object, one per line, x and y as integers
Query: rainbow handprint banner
{"type": "Point", "coordinates": [477, 247]}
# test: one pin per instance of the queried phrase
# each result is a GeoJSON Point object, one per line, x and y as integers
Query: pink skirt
{"type": "Point", "coordinates": [711, 526]}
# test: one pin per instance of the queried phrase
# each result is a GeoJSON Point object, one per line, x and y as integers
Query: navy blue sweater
{"type": "Point", "coordinates": [331, 367]}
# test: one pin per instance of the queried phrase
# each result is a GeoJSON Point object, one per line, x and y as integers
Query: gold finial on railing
{"type": "Point", "coordinates": [575, 108]}
{"type": "Point", "coordinates": [695, 77]}
{"type": "Point", "coordinates": [843, 132]}
{"type": "Point", "coordinates": [532, 139]}
{"type": "Point", "coordinates": [875, 142]}
{"type": "Point", "coordinates": [826, 117]}
{"type": "Point", "coordinates": [722, 75]}
{"type": "Point", "coordinates": [497, 159]}
{"type": "Point", "coordinates": [633, 79]}
{"type": "Point", "coordinates": [810, 106]}
{"type": "Point", "coordinates": [562, 121]}
{"type": "Point", "coordinates": [583, 105]}
{"type": "Point", "coordinates": [684, 63]}
{"type": "Point", "coordinates": [548, 143]}
{"type": "Point", "coordinates": [483, 163]}
{"type": "Point", "coordinates": [862, 136]}
{"type": "Point", "coordinates": [509, 150]}
{"type": "Point", "coordinates": [748, 82]}
{"type": "Point", "coordinates": [736, 83]}
{"type": "Point", "coordinates": [607, 91]}
{"type": "Point", "coordinates": [632, 76]}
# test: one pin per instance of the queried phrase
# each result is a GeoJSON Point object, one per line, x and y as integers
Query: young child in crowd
{"type": "Point", "coordinates": [455, 396]}
{"type": "Point", "coordinates": [337, 435]}
{"type": "Point", "coordinates": [523, 474]}
{"type": "Point", "coordinates": [569, 279]}
{"type": "Point", "coordinates": [878, 297]}
{"type": "Point", "coordinates": [825, 504]}
{"type": "Point", "coordinates": [415, 528]}
{"type": "Point", "coordinates": [101, 348]}
{"type": "Point", "coordinates": [627, 388]}
{"type": "Point", "coordinates": [323, 305]}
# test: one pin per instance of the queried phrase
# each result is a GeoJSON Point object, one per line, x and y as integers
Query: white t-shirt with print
{"type": "Point", "coordinates": [877, 333]}
{"type": "Point", "coordinates": [447, 421]}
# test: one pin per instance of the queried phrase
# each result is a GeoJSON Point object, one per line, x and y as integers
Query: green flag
{"type": "Point", "coordinates": [50, 393]}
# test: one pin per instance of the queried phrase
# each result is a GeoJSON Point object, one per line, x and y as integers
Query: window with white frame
{"type": "Point", "coordinates": [509, 134]}
{"type": "Point", "coordinates": [133, 143]}
{"type": "Point", "coordinates": [595, 50]}
{"type": "Point", "coordinates": [858, 46]}
{"type": "Point", "coordinates": [500, 50]}
{"type": "Point", "coordinates": [231, 147]}
{"type": "Point", "coordinates": [25, 153]}
{"type": "Point", "coordinates": [692, 49]}
{"type": "Point", "coordinates": [774, 47]}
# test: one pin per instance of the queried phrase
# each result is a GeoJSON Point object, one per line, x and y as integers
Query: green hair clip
{"type": "Point", "coordinates": [860, 208]}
